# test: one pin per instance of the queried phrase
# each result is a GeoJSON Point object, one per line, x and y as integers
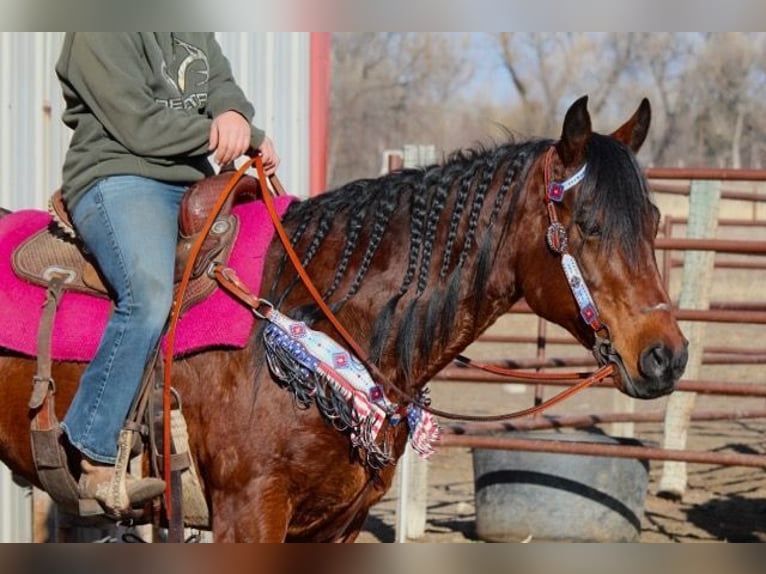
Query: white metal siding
{"type": "Point", "coordinates": [271, 67]}
{"type": "Point", "coordinates": [31, 142]}
{"type": "Point", "coordinates": [273, 70]}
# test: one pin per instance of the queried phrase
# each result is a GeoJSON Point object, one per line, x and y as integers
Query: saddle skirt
{"type": "Point", "coordinates": [30, 250]}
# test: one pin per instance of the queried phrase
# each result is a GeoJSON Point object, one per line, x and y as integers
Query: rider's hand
{"type": "Point", "coordinates": [229, 136]}
{"type": "Point", "coordinates": [269, 156]}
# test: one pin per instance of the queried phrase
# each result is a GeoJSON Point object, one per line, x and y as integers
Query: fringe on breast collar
{"type": "Point", "coordinates": [316, 369]}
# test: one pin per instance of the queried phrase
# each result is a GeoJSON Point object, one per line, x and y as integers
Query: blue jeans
{"type": "Point", "coordinates": [129, 224]}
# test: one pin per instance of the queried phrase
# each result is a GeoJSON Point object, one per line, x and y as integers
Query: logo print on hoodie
{"type": "Point", "coordinates": [191, 74]}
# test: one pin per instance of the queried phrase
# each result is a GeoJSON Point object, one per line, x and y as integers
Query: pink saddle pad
{"type": "Point", "coordinates": [218, 320]}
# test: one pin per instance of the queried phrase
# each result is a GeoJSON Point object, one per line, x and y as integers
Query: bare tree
{"type": "Point", "coordinates": [723, 72]}
{"type": "Point", "coordinates": [706, 91]}
{"type": "Point", "coordinates": [390, 89]}
{"type": "Point", "coordinates": [548, 70]}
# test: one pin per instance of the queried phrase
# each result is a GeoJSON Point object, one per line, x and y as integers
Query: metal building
{"type": "Point", "coordinates": [273, 68]}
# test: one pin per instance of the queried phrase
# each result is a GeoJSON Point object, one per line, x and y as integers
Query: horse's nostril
{"type": "Point", "coordinates": [655, 360]}
{"type": "Point", "coordinates": [659, 361]}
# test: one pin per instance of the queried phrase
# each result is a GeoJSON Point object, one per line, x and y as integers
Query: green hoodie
{"type": "Point", "coordinates": [142, 103]}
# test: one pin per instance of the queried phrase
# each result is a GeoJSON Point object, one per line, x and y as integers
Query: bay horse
{"type": "Point", "coordinates": [416, 265]}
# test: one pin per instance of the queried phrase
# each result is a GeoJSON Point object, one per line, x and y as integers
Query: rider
{"type": "Point", "coordinates": [146, 109]}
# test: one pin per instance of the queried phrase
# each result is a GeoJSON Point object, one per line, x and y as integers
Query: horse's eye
{"type": "Point", "coordinates": [589, 229]}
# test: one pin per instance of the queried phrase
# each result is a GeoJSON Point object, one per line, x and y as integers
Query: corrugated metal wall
{"type": "Point", "coordinates": [31, 144]}
{"type": "Point", "coordinates": [271, 67]}
{"type": "Point", "coordinates": [273, 70]}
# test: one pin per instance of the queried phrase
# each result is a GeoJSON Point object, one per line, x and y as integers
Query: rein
{"type": "Point", "coordinates": [227, 278]}
{"type": "Point", "coordinates": [175, 313]}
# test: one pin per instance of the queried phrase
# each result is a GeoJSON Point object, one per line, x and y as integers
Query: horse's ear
{"type": "Point", "coordinates": [575, 132]}
{"type": "Point", "coordinates": [633, 132]}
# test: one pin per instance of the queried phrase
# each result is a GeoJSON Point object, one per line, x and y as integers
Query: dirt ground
{"type": "Point", "coordinates": [721, 503]}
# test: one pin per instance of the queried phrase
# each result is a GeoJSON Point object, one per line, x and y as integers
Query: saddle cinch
{"type": "Point", "coordinates": [55, 258]}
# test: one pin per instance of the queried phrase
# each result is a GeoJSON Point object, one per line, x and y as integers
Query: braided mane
{"type": "Point", "coordinates": [452, 196]}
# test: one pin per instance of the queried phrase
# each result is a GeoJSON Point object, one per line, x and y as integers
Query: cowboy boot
{"type": "Point", "coordinates": [97, 481]}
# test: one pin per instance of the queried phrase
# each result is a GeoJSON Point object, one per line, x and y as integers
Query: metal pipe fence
{"type": "Point", "coordinates": [731, 312]}
{"type": "Point", "coordinates": [730, 254]}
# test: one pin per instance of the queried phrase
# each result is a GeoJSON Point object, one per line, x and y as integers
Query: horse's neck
{"type": "Point", "coordinates": [438, 333]}
{"type": "Point", "coordinates": [424, 273]}
{"type": "Point", "coordinates": [469, 324]}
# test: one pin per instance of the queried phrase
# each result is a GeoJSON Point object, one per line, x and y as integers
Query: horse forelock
{"type": "Point", "coordinates": [614, 198]}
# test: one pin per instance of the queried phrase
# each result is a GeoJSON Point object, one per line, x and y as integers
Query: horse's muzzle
{"type": "Point", "coordinates": [659, 368]}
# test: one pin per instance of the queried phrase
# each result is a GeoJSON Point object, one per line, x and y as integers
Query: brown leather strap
{"type": "Point", "coordinates": [42, 382]}
{"type": "Point", "coordinates": [179, 461]}
{"type": "Point", "coordinates": [173, 322]}
{"type": "Point", "coordinates": [602, 373]}
{"type": "Point", "coordinates": [520, 374]}
{"type": "Point", "coordinates": [309, 284]}
{"type": "Point", "coordinates": [228, 278]}
{"type": "Point", "coordinates": [47, 452]}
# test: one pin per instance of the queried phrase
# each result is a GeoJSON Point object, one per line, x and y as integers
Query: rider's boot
{"type": "Point", "coordinates": [117, 497]}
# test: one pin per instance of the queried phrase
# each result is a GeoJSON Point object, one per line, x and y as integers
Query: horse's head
{"type": "Point", "coordinates": [595, 225]}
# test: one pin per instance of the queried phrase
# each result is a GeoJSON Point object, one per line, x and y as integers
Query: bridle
{"type": "Point", "coordinates": [557, 240]}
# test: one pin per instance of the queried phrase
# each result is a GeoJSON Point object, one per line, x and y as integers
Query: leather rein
{"type": "Point", "coordinates": [556, 238]}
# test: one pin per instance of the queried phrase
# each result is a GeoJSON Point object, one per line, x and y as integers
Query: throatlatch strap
{"type": "Point", "coordinates": [45, 432]}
